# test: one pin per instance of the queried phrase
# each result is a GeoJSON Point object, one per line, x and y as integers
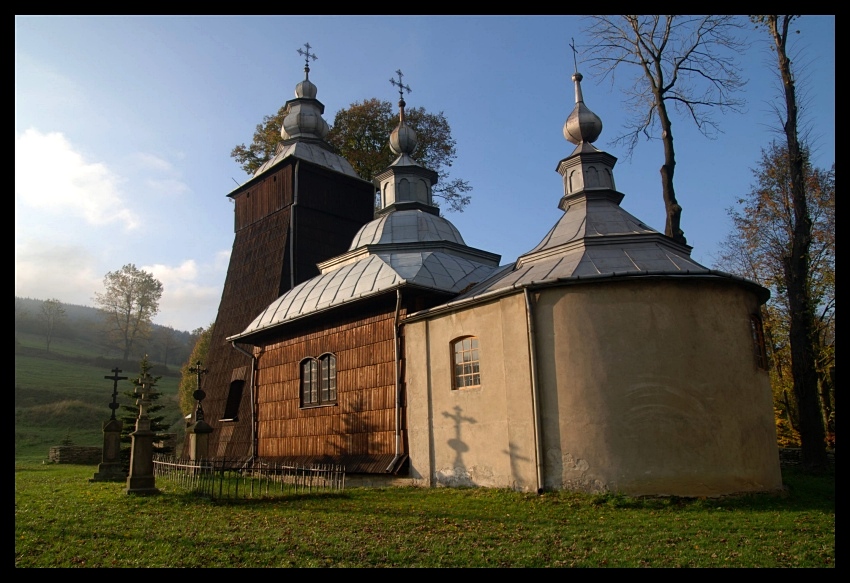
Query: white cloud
{"type": "Point", "coordinates": [168, 186]}
{"type": "Point", "coordinates": [151, 162]}
{"type": "Point", "coordinates": [51, 176]}
{"type": "Point", "coordinates": [185, 272]}
{"type": "Point", "coordinates": [222, 260]}
{"type": "Point", "coordinates": [65, 272]}
{"type": "Point", "coordinates": [186, 303]}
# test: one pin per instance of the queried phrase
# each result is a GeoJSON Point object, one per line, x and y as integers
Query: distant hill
{"type": "Point", "coordinates": [83, 325]}
{"type": "Point", "coordinates": [61, 394]}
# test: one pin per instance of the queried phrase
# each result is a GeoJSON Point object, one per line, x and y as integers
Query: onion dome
{"type": "Point", "coordinates": [582, 125]}
{"type": "Point", "coordinates": [403, 139]}
{"type": "Point", "coordinates": [405, 184]}
{"type": "Point", "coordinates": [306, 89]}
{"type": "Point", "coordinates": [304, 113]}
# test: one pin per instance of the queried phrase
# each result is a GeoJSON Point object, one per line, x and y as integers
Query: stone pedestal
{"type": "Point", "coordinates": [110, 468]}
{"type": "Point", "coordinates": [199, 434]}
{"type": "Point", "coordinates": [141, 479]}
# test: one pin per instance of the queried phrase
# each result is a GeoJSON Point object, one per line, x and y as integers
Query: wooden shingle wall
{"type": "Point", "coordinates": [363, 419]}
{"type": "Point", "coordinates": [335, 207]}
{"type": "Point", "coordinates": [253, 278]}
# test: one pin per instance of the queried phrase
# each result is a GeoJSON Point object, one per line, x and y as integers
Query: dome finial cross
{"type": "Point", "coordinates": [307, 56]}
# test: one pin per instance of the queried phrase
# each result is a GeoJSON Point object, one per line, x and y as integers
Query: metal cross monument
{"type": "Point", "coordinates": [115, 378]}
{"type": "Point", "coordinates": [199, 394]}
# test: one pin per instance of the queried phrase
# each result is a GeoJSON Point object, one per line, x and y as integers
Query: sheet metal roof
{"type": "Point", "coordinates": [376, 273]}
{"type": "Point", "coordinates": [406, 226]}
{"type": "Point", "coordinates": [410, 247]}
{"type": "Point", "coordinates": [594, 237]}
{"type": "Point", "coordinates": [309, 152]}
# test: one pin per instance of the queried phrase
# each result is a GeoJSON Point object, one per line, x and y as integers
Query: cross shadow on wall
{"type": "Point", "coordinates": [456, 443]}
{"type": "Point", "coordinates": [513, 454]}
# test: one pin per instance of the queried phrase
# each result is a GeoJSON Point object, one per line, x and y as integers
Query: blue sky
{"type": "Point", "coordinates": [124, 127]}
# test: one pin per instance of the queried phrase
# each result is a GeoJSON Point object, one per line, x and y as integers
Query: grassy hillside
{"type": "Point", "coordinates": [63, 393]}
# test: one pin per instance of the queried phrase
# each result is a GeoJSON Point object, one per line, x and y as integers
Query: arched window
{"type": "Point", "coordinates": [318, 381]}
{"type": "Point", "coordinates": [309, 382]}
{"type": "Point", "coordinates": [466, 363]}
{"type": "Point", "coordinates": [327, 364]}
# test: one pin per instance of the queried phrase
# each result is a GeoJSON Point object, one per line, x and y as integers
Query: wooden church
{"type": "Point", "coordinates": [301, 207]}
{"type": "Point", "coordinates": [604, 359]}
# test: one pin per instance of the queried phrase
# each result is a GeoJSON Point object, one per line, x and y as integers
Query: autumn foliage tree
{"type": "Point", "coordinates": [129, 302]}
{"type": "Point", "coordinates": [188, 379]}
{"type": "Point", "coordinates": [797, 266]}
{"type": "Point", "coordinates": [360, 134]}
{"type": "Point", "coordinates": [759, 247]}
{"type": "Point", "coordinates": [685, 64]}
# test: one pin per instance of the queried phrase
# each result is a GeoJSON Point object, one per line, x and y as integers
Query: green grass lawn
{"type": "Point", "coordinates": [62, 520]}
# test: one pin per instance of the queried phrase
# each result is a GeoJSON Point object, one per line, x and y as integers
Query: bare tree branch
{"type": "Point", "coordinates": [687, 62]}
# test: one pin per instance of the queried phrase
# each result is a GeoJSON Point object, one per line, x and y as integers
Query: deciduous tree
{"type": "Point", "coordinates": [685, 62]}
{"type": "Point", "coordinates": [797, 261]}
{"type": "Point", "coordinates": [129, 301]}
{"type": "Point", "coordinates": [52, 314]}
{"type": "Point", "coordinates": [360, 134]}
{"type": "Point", "coordinates": [758, 248]}
{"type": "Point", "coordinates": [189, 380]}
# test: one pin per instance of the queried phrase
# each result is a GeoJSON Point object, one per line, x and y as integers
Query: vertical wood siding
{"type": "Point", "coordinates": [363, 420]}
{"type": "Point", "coordinates": [259, 271]}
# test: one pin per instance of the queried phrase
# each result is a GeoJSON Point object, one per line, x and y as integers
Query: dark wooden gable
{"type": "Point", "coordinates": [260, 271]}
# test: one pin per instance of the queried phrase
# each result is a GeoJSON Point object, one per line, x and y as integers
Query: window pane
{"type": "Point", "coordinates": [308, 382]}
{"type": "Point", "coordinates": [314, 397]}
{"type": "Point", "coordinates": [325, 373]}
{"type": "Point", "coordinates": [332, 378]}
{"type": "Point", "coordinates": [466, 366]}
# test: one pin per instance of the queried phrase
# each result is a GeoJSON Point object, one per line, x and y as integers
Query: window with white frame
{"type": "Point", "coordinates": [467, 373]}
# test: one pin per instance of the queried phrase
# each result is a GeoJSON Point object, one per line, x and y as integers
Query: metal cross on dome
{"type": "Point", "coordinates": [401, 87]}
{"type": "Point", "coordinates": [307, 56]}
{"type": "Point", "coordinates": [575, 52]}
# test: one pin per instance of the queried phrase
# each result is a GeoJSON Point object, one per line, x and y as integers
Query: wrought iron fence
{"type": "Point", "coordinates": [245, 479]}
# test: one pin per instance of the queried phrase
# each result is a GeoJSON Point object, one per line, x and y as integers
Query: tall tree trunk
{"type": "Point", "coordinates": [796, 268]}
{"type": "Point", "coordinates": [672, 228]}
{"type": "Point", "coordinates": [825, 384]}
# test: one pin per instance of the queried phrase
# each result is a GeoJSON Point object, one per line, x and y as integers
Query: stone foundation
{"type": "Point", "coordinates": [75, 454]}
